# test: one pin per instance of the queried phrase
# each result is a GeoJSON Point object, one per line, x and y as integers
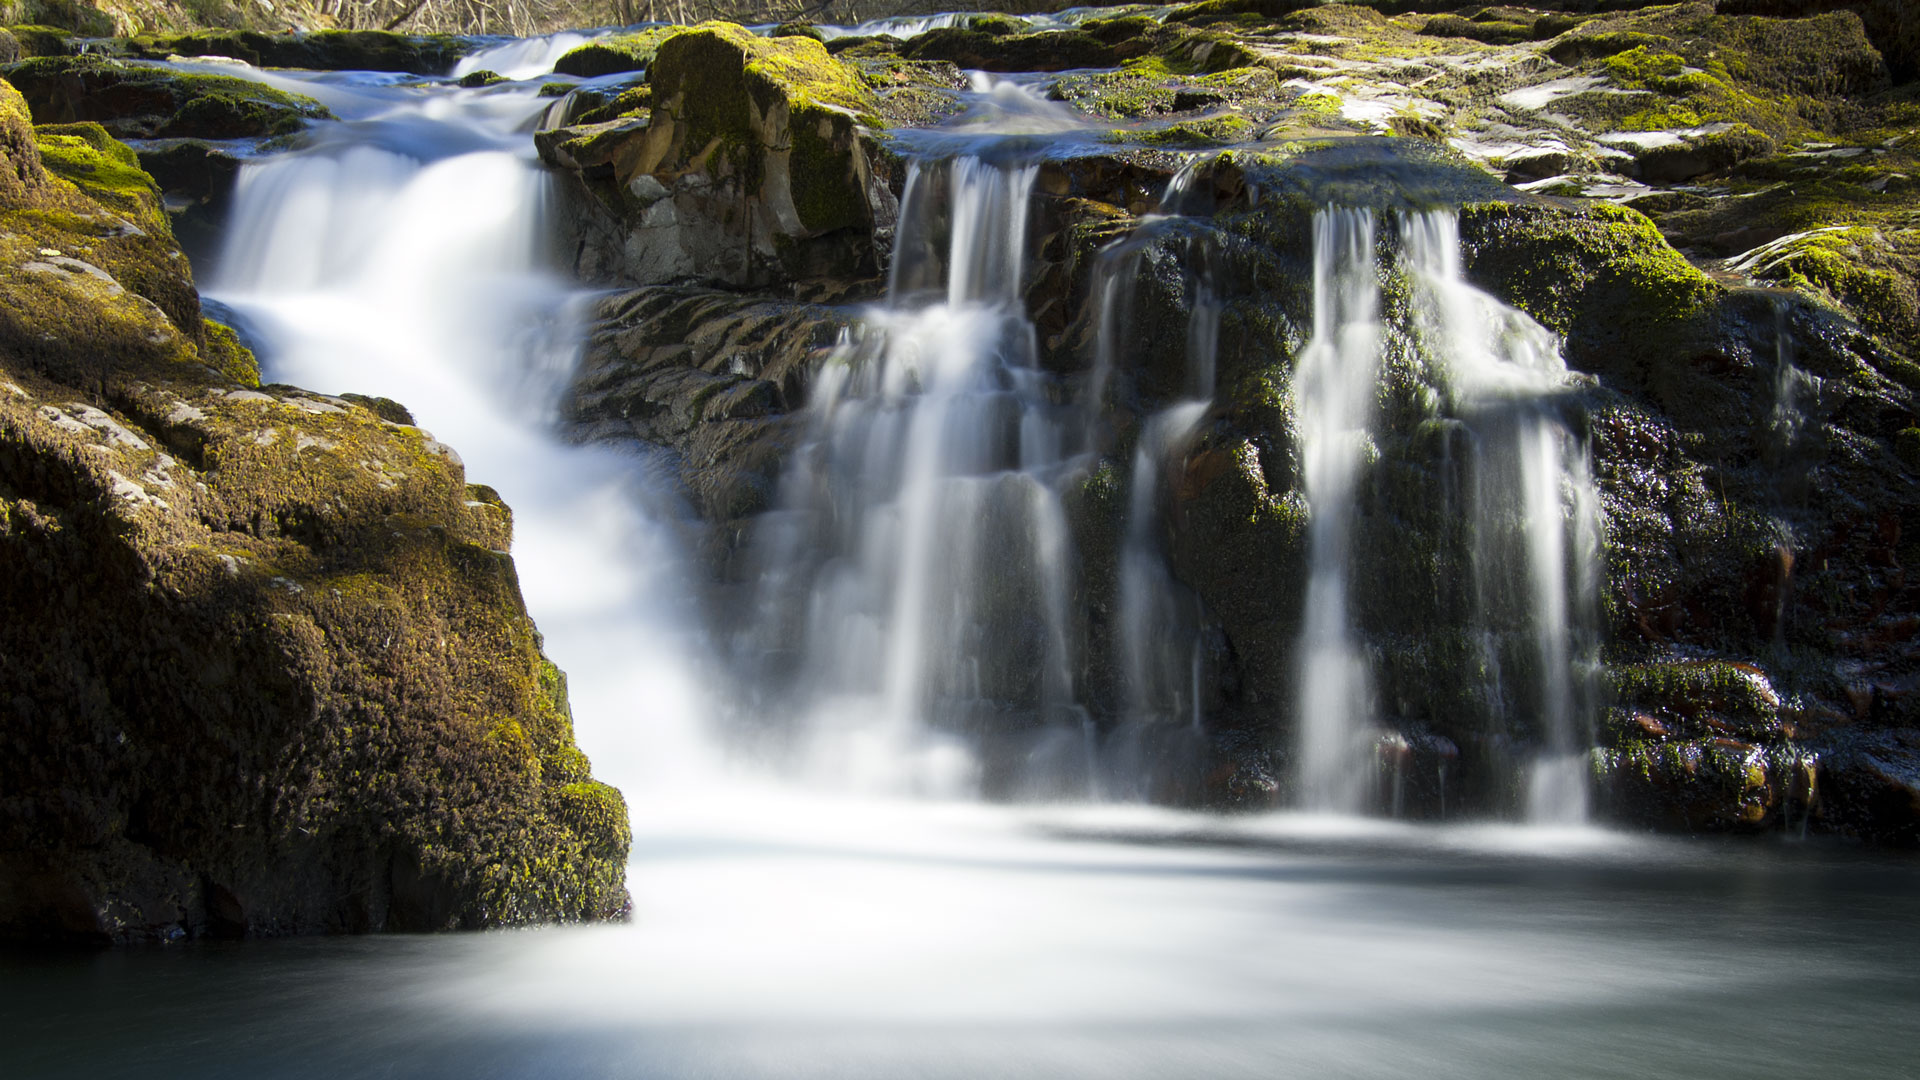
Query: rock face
{"type": "Point", "coordinates": [265, 667]}
{"type": "Point", "coordinates": [1712, 212]}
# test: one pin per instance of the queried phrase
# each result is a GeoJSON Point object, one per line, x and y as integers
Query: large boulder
{"type": "Point", "coordinates": [265, 666]}
{"type": "Point", "coordinates": [745, 166]}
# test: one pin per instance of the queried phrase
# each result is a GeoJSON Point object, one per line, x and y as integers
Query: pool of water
{"type": "Point", "coordinates": [787, 936]}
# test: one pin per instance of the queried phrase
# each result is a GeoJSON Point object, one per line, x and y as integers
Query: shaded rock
{"type": "Point", "coordinates": [711, 375]}
{"type": "Point", "coordinates": [1705, 785]}
{"type": "Point", "coordinates": [1870, 785]}
{"type": "Point", "coordinates": [318, 50]}
{"type": "Point", "coordinates": [136, 101]}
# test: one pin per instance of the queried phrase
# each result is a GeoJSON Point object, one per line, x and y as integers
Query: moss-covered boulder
{"type": "Point", "coordinates": [745, 165]}
{"type": "Point", "coordinates": [266, 667]}
{"type": "Point", "coordinates": [319, 50]}
{"type": "Point", "coordinates": [614, 53]}
{"type": "Point", "coordinates": [143, 101]}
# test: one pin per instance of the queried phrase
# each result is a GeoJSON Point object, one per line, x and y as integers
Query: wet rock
{"type": "Point", "coordinates": [1870, 785]}
{"type": "Point", "coordinates": [613, 54]}
{"type": "Point", "coordinates": [1705, 785]}
{"type": "Point", "coordinates": [712, 375]}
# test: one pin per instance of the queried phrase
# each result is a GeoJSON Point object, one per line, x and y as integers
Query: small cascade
{"type": "Point", "coordinates": [931, 589]}
{"type": "Point", "coordinates": [1159, 628]}
{"type": "Point", "coordinates": [523, 58]}
{"type": "Point", "coordinates": [1334, 387]}
{"type": "Point", "coordinates": [1534, 510]}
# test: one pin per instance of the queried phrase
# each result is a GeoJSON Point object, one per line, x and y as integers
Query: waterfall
{"type": "Point", "coordinates": [1159, 628]}
{"type": "Point", "coordinates": [1535, 516]}
{"type": "Point", "coordinates": [401, 254]}
{"type": "Point", "coordinates": [1532, 516]}
{"type": "Point", "coordinates": [924, 512]}
{"type": "Point", "coordinates": [1334, 387]}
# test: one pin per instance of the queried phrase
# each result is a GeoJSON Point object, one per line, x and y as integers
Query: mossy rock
{"type": "Point", "coordinates": [319, 50]}
{"type": "Point", "coordinates": [32, 41]}
{"type": "Point", "coordinates": [137, 101]}
{"type": "Point", "coordinates": [1703, 785]}
{"type": "Point", "coordinates": [70, 16]}
{"type": "Point", "coordinates": [1054, 51]}
{"type": "Point", "coordinates": [736, 98]}
{"type": "Point", "coordinates": [614, 53]}
{"type": "Point", "coordinates": [798, 29]}
{"type": "Point", "coordinates": [1601, 275]}
{"type": "Point", "coordinates": [105, 168]}
{"type": "Point", "coordinates": [1700, 698]}
{"type": "Point", "coordinates": [266, 665]}
{"type": "Point", "coordinates": [224, 353]}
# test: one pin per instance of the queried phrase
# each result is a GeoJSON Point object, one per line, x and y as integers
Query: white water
{"type": "Point", "coordinates": [402, 255]}
{"type": "Point", "coordinates": [523, 58]}
{"type": "Point", "coordinates": [1334, 387]}
{"type": "Point", "coordinates": [1534, 499]}
{"type": "Point", "coordinates": [925, 501]}
{"type": "Point", "coordinates": [1159, 631]}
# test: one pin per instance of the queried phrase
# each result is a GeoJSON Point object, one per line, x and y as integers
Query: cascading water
{"type": "Point", "coordinates": [1159, 632]}
{"type": "Point", "coordinates": [1534, 505]}
{"type": "Point", "coordinates": [1532, 515]}
{"type": "Point", "coordinates": [1334, 387]}
{"type": "Point", "coordinates": [927, 495]}
{"type": "Point", "coordinates": [400, 253]}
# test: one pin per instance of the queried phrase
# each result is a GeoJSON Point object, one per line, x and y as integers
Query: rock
{"type": "Point", "coordinates": [1893, 25]}
{"type": "Point", "coordinates": [149, 102]}
{"type": "Point", "coordinates": [750, 167]}
{"type": "Point", "coordinates": [1705, 785]}
{"type": "Point", "coordinates": [265, 667]}
{"type": "Point", "coordinates": [319, 50]}
{"type": "Point", "coordinates": [1870, 785]}
{"type": "Point", "coordinates": [614, 53]}
{"type": "Point", "coordinates": [712, 375]}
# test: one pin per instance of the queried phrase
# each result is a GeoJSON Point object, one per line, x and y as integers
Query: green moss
{"type": "Point", "coordinates": [223, 353]}
{"type": "Point", "coordinates": [597, 815]}
{"type": "Point", "coordinates": [319, 50]}
{"type": "Point", "coordinates": [1209, 131]}
{"type": "Point", "coordinates": [106, 169]}
{"type": "Point", "coordinates": [1854, 268]}
{"type": "Point", "coordinates": [636, 101]}
{"type": "Point", "coordinates": [1601, 262]}
{"type": "Point", "coordinates": [1738, 692]}
{"type": "Point", "coordinates": [44, 41]}
{"type": "Point", "coordinates": [1906, 445]}
{"type": "Point", "coordinates": [799, 29]}
{"type": "Point", "coordinates": [1488, 31]}
{"type": "Point", "coordinates": [614, 53]}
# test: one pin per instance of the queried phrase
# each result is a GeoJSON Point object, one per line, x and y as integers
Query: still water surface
{"type": "Point", "coordinates": [780, 936]}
